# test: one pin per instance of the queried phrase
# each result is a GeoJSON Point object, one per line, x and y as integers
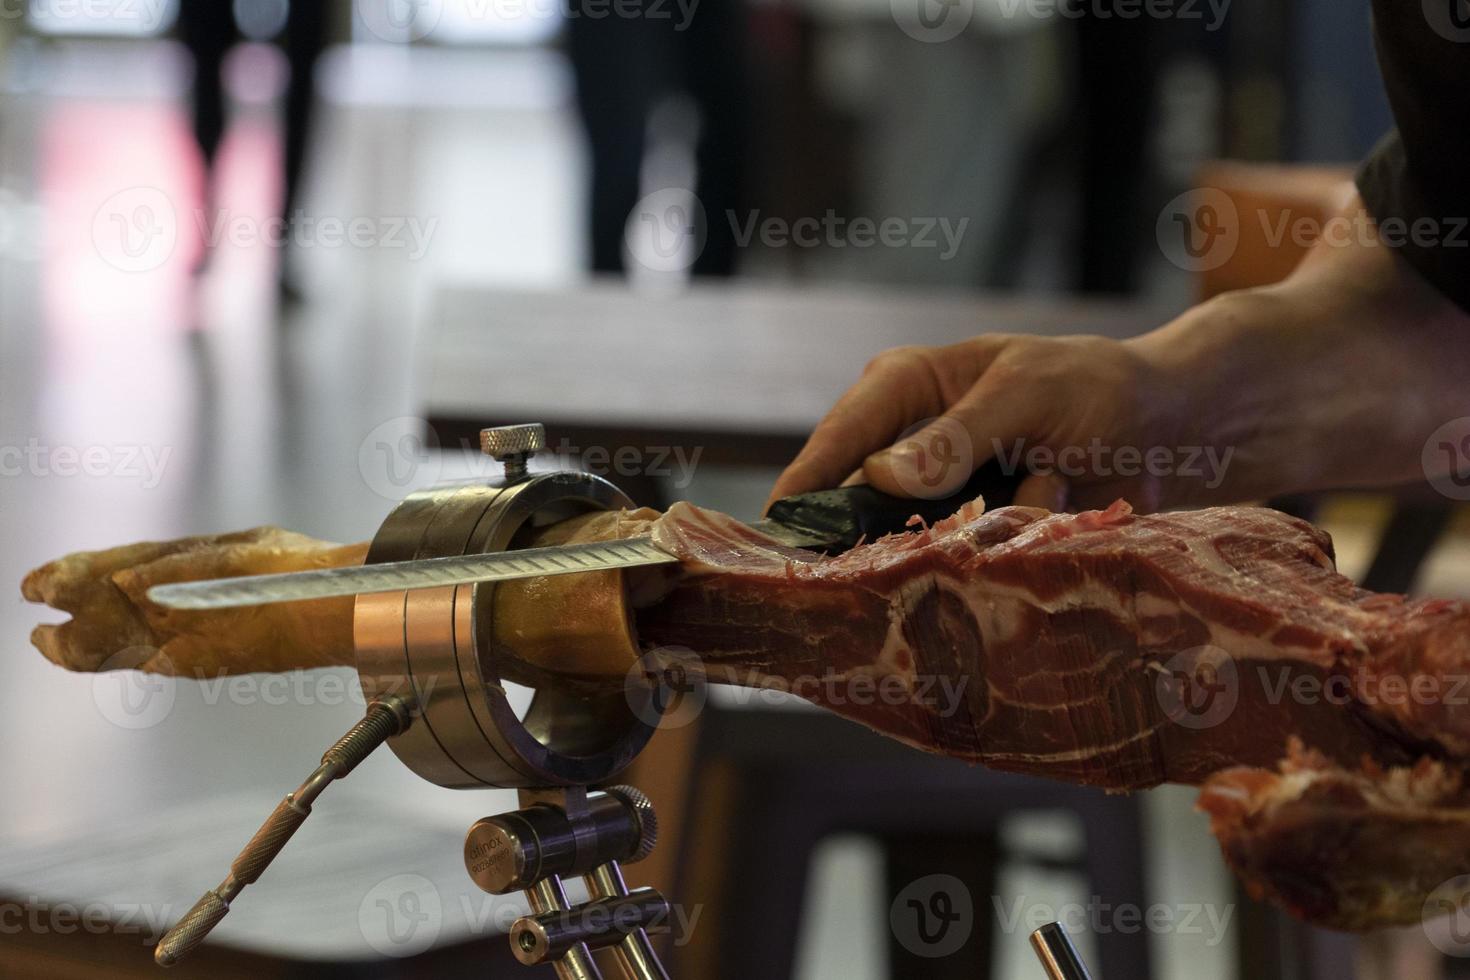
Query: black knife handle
{"type": "Point", "coordinates": [848, 515]}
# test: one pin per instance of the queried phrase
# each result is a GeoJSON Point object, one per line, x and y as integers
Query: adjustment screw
{"type": "Point", "coordinates": [513, 445]}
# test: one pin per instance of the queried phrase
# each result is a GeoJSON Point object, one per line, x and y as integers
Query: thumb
{"type": "Point", "coordinates": [1049, 491]}
{"type": "Point", "coordinates": [932, 460]}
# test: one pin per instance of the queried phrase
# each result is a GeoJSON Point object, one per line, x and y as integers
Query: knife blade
{"type": "Point", "coordinates": [829, 520]}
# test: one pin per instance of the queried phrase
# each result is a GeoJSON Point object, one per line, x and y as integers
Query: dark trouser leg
{"type": "Point", "coordinates": [713, 46]}
{"type": "Point", "coordinates": [617, 61]}
{"type": "Point", "coordinates": [305, 38]}
{"type": "Point", "coordinates": [207, 30]}
{"type": "Point", "coordinates": [1116, 81]}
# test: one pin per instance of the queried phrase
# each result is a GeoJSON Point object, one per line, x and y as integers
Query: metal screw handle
{"type": "Point", "coordinates": [385, 718]}
{"type": "Point", "coordinates": [513, 445]}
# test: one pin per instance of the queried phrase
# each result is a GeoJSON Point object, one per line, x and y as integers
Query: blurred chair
{"type": "Point", "coordinates": [769, 785]}
{"type": "Point", "coordinates": [748, 795]}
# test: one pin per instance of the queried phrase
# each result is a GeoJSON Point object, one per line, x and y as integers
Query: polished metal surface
{"type": "Point", "coordinates": [437, 644]}
{"type": "Point", "coordinates": [513, 440]}
{"type": "Point", "coordinates": [428, 573]}
{"type": "Point", "coordinates": [564, 833]}
{"type": "Point", "coordinates": [512, 851]}
{"type": "Point", "coordinates": [438, 572]}
{"type": "Point", "coordinates": [547, 896]}
{"type": "Point", "coordinates": [602, 922]}
{"type": "Point", "coordinates": [384, 718]}
{"type": "Point", "coordinates": [634, 952]}
{"type": "Point", "coordinates": [1057, 954]}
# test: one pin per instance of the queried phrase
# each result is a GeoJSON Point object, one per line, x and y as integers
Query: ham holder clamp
{"type": "Point", "coordinates": [427, 659]}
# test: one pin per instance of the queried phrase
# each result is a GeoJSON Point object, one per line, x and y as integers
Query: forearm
{"type": "Point", "coordinates": [1334, 377]}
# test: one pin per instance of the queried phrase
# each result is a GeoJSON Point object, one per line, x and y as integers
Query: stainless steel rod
{"type": "Point", "coordinates": [635, 953]}
{"type": "Point", "coordinates": [1057, 954]}
{"type": "Point", "coordinates": [548, 895]}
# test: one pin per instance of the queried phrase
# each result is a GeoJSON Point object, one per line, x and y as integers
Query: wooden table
{"type": "Point", "coordinates": [742, 371]}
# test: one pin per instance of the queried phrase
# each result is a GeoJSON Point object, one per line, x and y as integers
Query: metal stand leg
{"type": "Point", "coordinates": [569, 833]}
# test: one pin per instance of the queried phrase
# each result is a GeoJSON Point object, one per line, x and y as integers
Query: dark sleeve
{"type": "Point", "coordinates": [1416, 183]}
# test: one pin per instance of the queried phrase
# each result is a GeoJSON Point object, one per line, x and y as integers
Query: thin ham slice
{"type": "Point", "coordinates": [1350, 849]}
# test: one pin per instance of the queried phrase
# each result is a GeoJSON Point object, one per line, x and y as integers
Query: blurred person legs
{"type": "Point", "coordinates": [713, 55]}
{"type": "Point", "coordinates": [303, 42]}
{"type": "Point", "coordinates": [619, 64]}
{"type": "Point", "coordinates": [623, 66]}
{"type": "Point", "coordinates": [207, 29]}
{"type": "Point", "coordinates": [1117, 78]}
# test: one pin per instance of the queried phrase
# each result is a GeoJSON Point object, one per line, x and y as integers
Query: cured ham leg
{"type": "Point", "coordinates": [1103, 648]}
{"type": "Point", "coordinates": [1077, 646]}
{"type": "Point", "coordinates": [561, 626]}
{"type": "Point", "coordinates": [114, 626]}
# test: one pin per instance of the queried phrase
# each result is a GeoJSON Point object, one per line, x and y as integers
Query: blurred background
{"type": "Point", "coordinates": [274, 262]}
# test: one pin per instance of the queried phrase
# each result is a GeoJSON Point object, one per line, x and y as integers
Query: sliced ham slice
{"type": "Point", "coordinates": [1349, 849]}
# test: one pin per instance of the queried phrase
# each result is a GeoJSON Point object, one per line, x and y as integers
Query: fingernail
{"type": "Point", "coordinates": [897, 458]}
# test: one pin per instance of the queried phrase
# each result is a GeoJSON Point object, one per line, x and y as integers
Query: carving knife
{"type": "Point", "coordinates": [830, 521]}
